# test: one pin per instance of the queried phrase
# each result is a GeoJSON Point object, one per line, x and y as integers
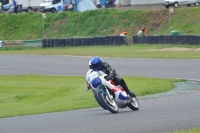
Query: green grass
{"type": "Point", "coordinates": [195, 130]}
{"type": "Point", "coordinates": [34, 94]}
{"type": "Point", "coordinates": [127, 51]}
{"type": "Point", "coordinates": [98, 23]}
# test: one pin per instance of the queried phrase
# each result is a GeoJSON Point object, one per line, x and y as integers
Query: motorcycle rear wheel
{"type": "Point", "coordinates": [108, 103]}
{"type": "Point", "coordinates": [133, 104]}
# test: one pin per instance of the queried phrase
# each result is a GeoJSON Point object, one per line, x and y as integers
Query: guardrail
{"type": "Point", "coordinates": [37, 42]}
{"type": "Point", "coordinates": [10, 43]}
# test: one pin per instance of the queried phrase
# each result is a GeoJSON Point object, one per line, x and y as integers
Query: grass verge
{"type": "Point", "coordinates": [34, 94]}
{"type": "Point", "coordinates": [126, 51]}
{"type": "Point", "coordinates": [195, 130]}
{"type": "Point", "coordinates": [98, 23]}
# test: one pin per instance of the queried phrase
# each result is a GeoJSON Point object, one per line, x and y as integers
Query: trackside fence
{"type": "Point", "coordinates": [9, 43]}
{"type": "Point", "coordinates": [107, 40]}
{"type": "Point", "coordinates": [161, 39]}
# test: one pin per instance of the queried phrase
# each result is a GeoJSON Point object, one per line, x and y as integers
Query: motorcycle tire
{"type": "Point", "coordinates": [98, 100]}
{"type": "Point", "coordinates": [108, 103]}
{"type": "Point", "coordinates": [133, 104]}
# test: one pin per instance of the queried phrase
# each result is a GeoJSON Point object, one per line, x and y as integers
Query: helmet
{"type": "Point", "coordinates": [96, 63]}
{"type": "Point", "coordinates": [90, 66]}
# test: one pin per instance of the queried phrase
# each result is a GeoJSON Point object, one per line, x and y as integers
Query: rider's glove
{"type": "Point", "coordinates": [109, 77]}
{"type": "Point", "coordinates": [88, 86]}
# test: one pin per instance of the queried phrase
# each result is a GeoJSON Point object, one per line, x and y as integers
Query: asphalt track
{"type": "Point", "coordinates": [158, 114]}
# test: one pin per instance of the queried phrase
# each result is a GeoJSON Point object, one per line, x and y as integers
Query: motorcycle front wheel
{"type": "Point", "coordinates": [98, 100]}
{"type": "Point", "coordinates": [108, 103]}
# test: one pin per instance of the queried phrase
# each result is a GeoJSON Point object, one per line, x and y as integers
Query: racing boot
{"type": "Point", "coordinates": [132, 94]}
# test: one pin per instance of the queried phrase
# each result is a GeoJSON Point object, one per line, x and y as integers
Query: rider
{"type": "Point", "coordinates": [97, 65]}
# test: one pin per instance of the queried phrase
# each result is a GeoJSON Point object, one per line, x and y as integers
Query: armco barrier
{"type": "Point", "coordinates": [37, 42]}
{"type": "Point", "coordinates": [11, 43]}
{"type": "Point", "coordinates": [107, 40]}
{"type": "Point", "coordinates": [161, 39]}
{"type": "Point", "coordinates": [8, 43]}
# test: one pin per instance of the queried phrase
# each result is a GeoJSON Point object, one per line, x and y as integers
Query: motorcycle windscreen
{"type": "Point", "coordinates": [96, 82]}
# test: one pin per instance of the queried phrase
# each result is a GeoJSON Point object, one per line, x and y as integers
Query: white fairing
{"type": "Point", "coordinates": [88, 74]}
{"type": "Point", "coordinates": [120, 95]}
{"type": "Point", "coordinates": [91, 75]}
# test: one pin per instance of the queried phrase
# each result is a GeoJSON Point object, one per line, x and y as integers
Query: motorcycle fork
{"type": "Point", "coordinates": [107, 92]}
{"type": "Point", "coordinates": [110, 96]}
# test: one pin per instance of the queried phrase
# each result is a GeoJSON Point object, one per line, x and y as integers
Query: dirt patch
{"type": "Point", "coordinates": [176, 49]}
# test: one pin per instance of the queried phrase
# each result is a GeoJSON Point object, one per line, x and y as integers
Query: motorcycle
{"type": "Point", "coordinates": [111, 96]}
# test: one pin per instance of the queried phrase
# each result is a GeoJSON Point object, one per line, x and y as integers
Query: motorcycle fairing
{"type": "Point", "coordinates": [122, 97]}
{"type": "Point", "coordinates": [122, 94]}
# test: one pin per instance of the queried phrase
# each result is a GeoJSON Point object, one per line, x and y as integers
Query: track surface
{"type": "Point", "coordinates": [68, 65]}
{"type": "Point", "coordinates": [162, 114]}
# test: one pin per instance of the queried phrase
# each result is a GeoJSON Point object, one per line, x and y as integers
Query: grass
{"type": "Point", "coordinates": [98, 23]}
{"type": "Point", "coordinates": [127, 51]}
{"type": "Point", "coordinates": [195, 130]}
{"type": "Point", "coordinates": [34, 94]}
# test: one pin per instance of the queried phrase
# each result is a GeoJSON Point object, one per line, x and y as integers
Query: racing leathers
{"type": "Point", "coordinates": [111, 74]}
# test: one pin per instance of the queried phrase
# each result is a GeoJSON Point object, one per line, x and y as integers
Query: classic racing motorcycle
{"type": "Point", "coordinates": [110, 96]}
